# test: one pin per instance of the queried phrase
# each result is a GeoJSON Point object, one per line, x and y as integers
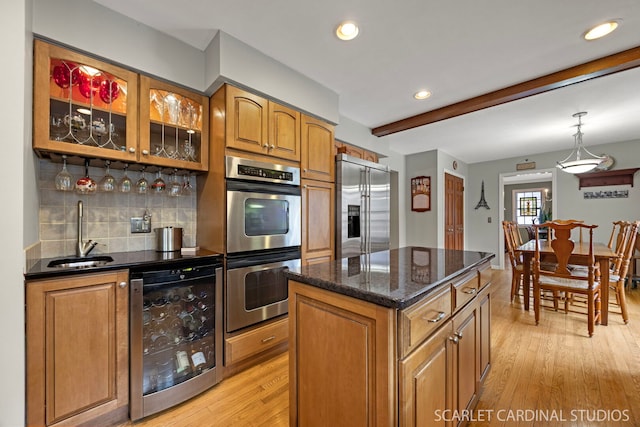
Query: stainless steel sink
{"type": "Point", "coordinates": [86, 262]}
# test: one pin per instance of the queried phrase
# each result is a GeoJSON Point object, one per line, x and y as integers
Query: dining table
{"type": "Point", "coordinates": [603, 255]}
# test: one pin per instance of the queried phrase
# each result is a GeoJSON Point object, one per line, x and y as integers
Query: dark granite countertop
{"type": "Point", "coordinates": [124, 260]}
{"type": "Point", "coordinates": [395, 278]}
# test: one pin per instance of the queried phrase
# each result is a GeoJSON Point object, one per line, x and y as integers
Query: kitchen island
{"type": "Point", "coordinates": [399, 337]}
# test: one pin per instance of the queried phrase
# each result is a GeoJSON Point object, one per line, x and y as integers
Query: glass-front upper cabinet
{"type": "Point", "coordinates": [83, 106]}
{"type": "Point", "coordinates": [174, 126]}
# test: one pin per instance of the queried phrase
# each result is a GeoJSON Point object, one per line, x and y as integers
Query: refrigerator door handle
{"type": "Point", "coordinates": [362, 188]}
{"type": "Point", "coordinates": [368, 175]}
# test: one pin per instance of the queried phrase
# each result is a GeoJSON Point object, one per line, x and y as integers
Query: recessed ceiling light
{"type": "Point", "coordinates": [423, 94]}
{"type": "Point", "coordinates": [602, 30]}
{"type": "Point", "coordinates": [347, 30]}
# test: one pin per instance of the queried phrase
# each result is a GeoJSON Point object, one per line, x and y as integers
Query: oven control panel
{"type": "Point", "coordinates": [253, 171]}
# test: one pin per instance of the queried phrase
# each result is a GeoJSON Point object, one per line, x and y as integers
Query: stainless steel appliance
{"type": "Point", "coordinates": [263, 205]}
{"type": "Point", "coordinates": [362, 206]}
{"type": "Point", "coordinates": [263, 239]}
{"type": "Point", "coordinates": [175, 334]}
{"type": "Point", "coordinates": [256, 289]}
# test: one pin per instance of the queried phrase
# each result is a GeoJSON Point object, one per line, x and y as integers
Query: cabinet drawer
{"type": "Point", "coordinates": [255, 341]}
{"type": "Point", "coordinates": [465, 289]}
{"type": "Point", "coordinates": [485, 275]}
{"type": "Point", "coordinates": [418, 321]}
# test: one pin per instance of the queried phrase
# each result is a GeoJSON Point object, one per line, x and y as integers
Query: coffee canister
{"type": "Point", "coordinates": [168, 239]}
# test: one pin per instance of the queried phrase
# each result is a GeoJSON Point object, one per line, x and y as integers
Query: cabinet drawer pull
{"type": "Point", "coordinates": [469, 291]}
{"type": "Point", "coordinates": [266, 340]}
{"type": "Point", "coordinates": [438, 318]}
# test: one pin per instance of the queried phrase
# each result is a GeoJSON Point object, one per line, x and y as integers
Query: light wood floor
{"type": "Point", "coordinates": [553, 369]}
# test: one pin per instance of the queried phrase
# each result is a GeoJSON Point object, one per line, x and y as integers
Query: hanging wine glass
{"type": "Point", "coordinates": [142, 186]}
{"type": "Point", "coordinates": [158, 184]}
{"type": "Point", "coordinates": [108, 182]}
{"type": "Point", "coordinates": [125, 183]}
{"type": "Point", "coordinates": [175, 188]}
{"type": "Point", "coordinates": [64, 180]}
{"type": "Point", "coordinates": [186, 185]}
{"type": "Point", "coordinates": [85, 184]}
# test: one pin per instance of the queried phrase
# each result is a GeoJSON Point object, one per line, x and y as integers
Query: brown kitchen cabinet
{"type": "Point", "coordinates": [261, 126]}
{"type": "Point", "coordinates": [318, 161]}
{"type": "Point", "coordinates": [426, 381]}
{"type": "Point", "coordinates": [353, 151]}
{"type": "Point", "coordinates": [318, 221]}
{"type": "Point", "coordinates": [466, 357]}
{"type": "Point", "coordinates": [174, 126]}
{"type": "Point", "coordinates": [342, 373]}
{"type": "Point", "coordinates": [77, 349]}
{"type": "Point", "coordinates": [83, 106]}
{"type": "Point", "coordinates": [412, 367]}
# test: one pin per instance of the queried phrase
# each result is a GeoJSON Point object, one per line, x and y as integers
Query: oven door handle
{"type": "Point", "coordinates": [237, 264]}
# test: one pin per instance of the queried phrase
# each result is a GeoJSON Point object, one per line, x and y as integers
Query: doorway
{"type": "Point", "coordinates": [530, 178]}
{"type": "Point", "coordinates": [453, 212]}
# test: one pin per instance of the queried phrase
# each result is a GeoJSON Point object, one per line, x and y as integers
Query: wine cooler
{"type": "Point", "coordinates": [175, 334]}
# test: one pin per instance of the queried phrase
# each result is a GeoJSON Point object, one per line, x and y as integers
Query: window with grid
{"type": "Point", "coordinates": [527, 205]}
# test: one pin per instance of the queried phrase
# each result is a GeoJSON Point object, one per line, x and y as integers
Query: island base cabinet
{"type": "Point", "coordinates": [341, 363]}
{"type": "Point", "coordinates": [484, 303]}
{"type": "Point", "coordinates": [466, 359]}
{"type": "Point", "coordinates": [355, 363]}
{"type": "Point", "coordinates": [426, 383]}
{"type": "Point", "coordinates": [77, 349]}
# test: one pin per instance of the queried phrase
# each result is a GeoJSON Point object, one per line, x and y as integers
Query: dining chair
{"type": "Point", "coordinates": [619, 243]}
{"type": "Point", "coordinates": [558, 278]}
{"type": "Point", "coordinates": [617, 277]}
{"type": "Point", "coordinates": [566, 221]}
{"type": "Point", "coordinates": [515, 259]}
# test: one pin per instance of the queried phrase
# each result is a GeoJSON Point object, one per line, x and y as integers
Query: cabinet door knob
{"type": "Point", "coordinates": [145, 152]}
{"type": "Point", "coordinates": [123, 285]}
{"type": "Point", "coordinates": [265, 145]}
{"type": "Point", "coordinates": [132, 149]}
{"type": "Point", "coordinates": [272, 146]}
{"type": "Point", "coordinates": [453, 339]}
{"type": "Point", "coordinates": [458, 334]}
{"type": "Point", "coordinates": [304, 186]}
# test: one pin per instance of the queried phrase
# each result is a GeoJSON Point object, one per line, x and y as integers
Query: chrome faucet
{"type": "Point", "coordinates": [83, 248]}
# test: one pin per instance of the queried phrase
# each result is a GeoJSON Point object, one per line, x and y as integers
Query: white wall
{"type": "Point", "coordinates": [422, 227]}
{"type": "Point", "coordinates": [569, 200]}
{"type": "Point", "coordinates": [228, 59]}
{"type": "Point", "coordinates": [17, 172]}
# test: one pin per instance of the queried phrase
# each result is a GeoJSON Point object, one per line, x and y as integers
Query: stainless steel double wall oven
{"type": "Point", "coordinates": [263, 239]}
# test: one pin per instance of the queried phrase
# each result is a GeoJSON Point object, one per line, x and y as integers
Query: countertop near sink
{"type": "Point", "coordinates": [122, 260]}
{"type": "Point", "coordinates": [395, 278]}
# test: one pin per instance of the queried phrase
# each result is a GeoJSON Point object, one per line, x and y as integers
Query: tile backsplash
{"type": "Point", "coordinates": [107, 215]}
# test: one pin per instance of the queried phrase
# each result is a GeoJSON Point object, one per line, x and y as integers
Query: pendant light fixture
{"type": "Point", "coordinates": [583, 159]}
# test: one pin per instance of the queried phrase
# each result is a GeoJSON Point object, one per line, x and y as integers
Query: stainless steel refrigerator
{"type": "Point", "coordinates": [362, 206]}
